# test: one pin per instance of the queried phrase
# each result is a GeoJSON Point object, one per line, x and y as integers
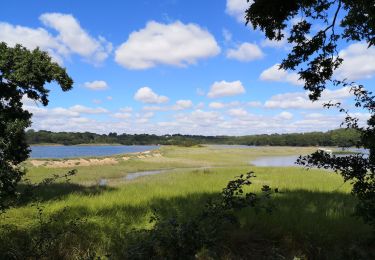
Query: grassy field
{"type": "Point", "coordinates": [313, 215]}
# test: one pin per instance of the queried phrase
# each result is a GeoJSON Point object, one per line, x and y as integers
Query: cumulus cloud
{"type": "Point", "coordinates": [122, 115]}
{"type": "Point", "coordinates": [254, 104]}
{"type": "Point", "coordinates": [235, 121]}
{"type": "Point", "coordinates": [175, 44]}
{"type": "Point", "coordinates": [279, 75]}
{"type": "Point", "coordinates": [147, 95]}
{"type": "Point", "coordinates": [33, 38]}
{"type": "Point", "coordinates": [245, 52]}
{"type": "Point", "coordinates": [358, 62]}
{"type": "Point", "coordinates": [300, 100]}
{"type": "Point", "coordinates": [75, 38]}
{"type": "Point", "coordinates": [237, 8]}
{"type": "Point", "coordinates": [283, 43]}
{"type": "Point", "coordinates": [142, 118]}
{"type": "Point", "coordinates": [154, 108]}
{"type": "Point", "coordinates": [183, 104]}
{"type": "Point", "coordinates": [285, 115]}
{"type": "Point", "coordinates": [71, 38]}
{"type": "Point", "coordinates": [198, 118]}
{"type": "Point", "coordinates": [238, 112]}
{"type": "Point", "coordinates": [224, 89]}
{"type": "Point", "coordinates": [216, 105]}
{"type": "Point", "coordinates": [274, 44]}
{"type": "Point", "coordinates": [96, 85]}
{"type": "Point", "coordinates": [220, 105]}
{"type": "Point", "coordinates": [88, 110]}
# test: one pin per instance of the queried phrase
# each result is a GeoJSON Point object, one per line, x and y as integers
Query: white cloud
{"type": "Point", "coordinates": [42, 112]}
{"type": "Point", "coordinates": [154, 108]}
{"type": "Point", "coordinates": [200, 105]}
{"type": "Point", "coordinates": [300, 100]}
{"type": "Point", "coordinates": [216, 105]}
{"type": "Point", "coordinates": [122, 115]}
{"type": "Point", "coordinates": [146, 95]}
{"type": "Point", "coordinates": [183, 104]}
{"type": "Point", "coordinates": [109, 98]}
{"type": "Point", "coordinates": [285, 115]}
{"type": "Point", "coordinates": [198, 118]}
{"type": "Point", "coordinates": [296, 100]}
{"type": "Point", "coordinates": [245, 52]}
{"type": "Point", "coordinates": [236, 121]}
{"type": "Point", "coordinates": [237, 8]}
{"type": "Point", "coordinates": [77, 39]}
{"type": "Point", "coordinates": [146, 115]}
{"type": "Point", "coordinates": [63, 112]}
{"type": "Point", "coordinates": [96, 85]}
{"type": "Point", "coordinates": [274, 44]}
{"type": "Point", "coordinates": [33, 38]}
{"type": "Point", "coordinates": [142, 118]}
{"type": "Point", "coordinates": [174, 44]}
{"type": "Point", "coordinates": [279, 75]}
{"type": "Point", "coordinates": [71, 38]}
{"type": "Point", "coordinates": [224, 89]}
{"type": "Point", "coordinates": [88, 110]}
{"type": "Point", "coordinates": [238, 112]}
{"type": "Point", "coordinates": [283, 43]}
{"type": "Point", "coordinates": [337, 94]}
{"type": "Point", "coordinates": [28, 102]}
{"type": "Point", "coordinates": [358, 62]}
{"type": "Point", "coordinates": [220, 105]}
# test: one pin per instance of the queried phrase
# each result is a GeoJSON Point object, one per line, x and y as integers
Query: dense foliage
{"type": "Point", "coordinates": [315, 54]}
{"type": "Point", "coordinates": [203, 235]}
{"type": "Point", "coordinates": [23, 73]}
{"type": "Point", "coordinates": [339, 137]}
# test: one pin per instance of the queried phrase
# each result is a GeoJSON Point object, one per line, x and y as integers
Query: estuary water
{"type": "Point", "coordinates": [290, 160]}
{"type": "Point", "coordinates": [71, 151]}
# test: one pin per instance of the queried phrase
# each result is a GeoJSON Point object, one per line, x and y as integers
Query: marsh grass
{"type": "Point", "coordinates": [313, 216]}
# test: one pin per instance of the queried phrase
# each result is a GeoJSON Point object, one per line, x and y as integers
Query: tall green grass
{"type": "Point", "coordinates": [313, 209]}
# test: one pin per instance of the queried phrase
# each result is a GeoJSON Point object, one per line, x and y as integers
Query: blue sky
{"type": "Point", "coordinates": [171, 66]}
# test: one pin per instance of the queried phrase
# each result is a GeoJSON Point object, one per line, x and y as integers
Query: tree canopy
{"type": "Point", "coordinates": [316, 56]}
{"type": "Point", "coordinates": [23, 74]}
{"type": "Point", "coordinates": [338, 137]}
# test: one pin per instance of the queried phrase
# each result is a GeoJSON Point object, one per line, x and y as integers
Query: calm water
{"type": "Point", "coordinates": [85, 151]}
{"type": "Point", "coordinates": [276, 161]}
{"type": "Point", "coordinates": [134, 175]}
{"type": "Point", "coordinates": [290, 160]}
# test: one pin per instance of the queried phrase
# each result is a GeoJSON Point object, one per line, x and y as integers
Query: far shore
{"type": "Point", "coordinates": [341, 151]}
{"type": "Point", "coordinates": [88, 144]}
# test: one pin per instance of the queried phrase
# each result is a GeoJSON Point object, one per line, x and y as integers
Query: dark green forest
{"type": "Point", "coordinates": [339, 137]}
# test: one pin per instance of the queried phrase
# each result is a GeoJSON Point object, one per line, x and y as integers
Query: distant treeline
{"type": "Point", "coordinates": [339, 137]}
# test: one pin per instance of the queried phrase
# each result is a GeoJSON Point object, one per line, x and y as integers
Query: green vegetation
{"type": "Point", "coordinates": [23, 74]}
{"type": "Point", "coordinates": [339, 137]}
{"type": "Point", "coordinates": [312, 218]}
{"type": "Point", "coordinates": [315, 56]}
